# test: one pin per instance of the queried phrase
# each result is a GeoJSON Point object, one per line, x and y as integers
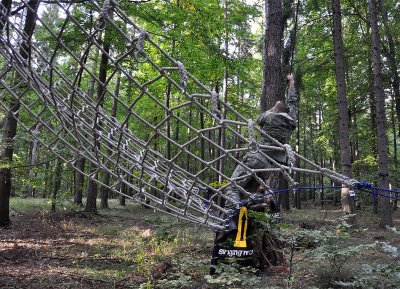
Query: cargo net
{"type": "Point", "coordinates": [89, 89]}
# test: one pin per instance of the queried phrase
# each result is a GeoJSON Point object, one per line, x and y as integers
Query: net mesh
{"type": "Point", "coordinates": [92, 91]}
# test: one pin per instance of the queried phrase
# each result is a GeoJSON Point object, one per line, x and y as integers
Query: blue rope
{"type": "Point", "coordinates": [317, 187]}
{"type": "Point", "coordinates": [373, 192]}
{"type": "Point", "coordinates": [365, 187]}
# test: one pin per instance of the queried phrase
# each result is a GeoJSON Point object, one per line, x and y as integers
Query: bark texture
{"type": "Point", "coordinates": [272, 87]}
{"type": "Point", "coordinates": [385, 210]}
{"type": "Point", "coordinates": [10, 126]}
{"type": "Point", "coordinates": [344, 139]}
{"type": "Point", "coordinates": [101, 90]}
{"type": "Point", "coordinates": [391, 54]}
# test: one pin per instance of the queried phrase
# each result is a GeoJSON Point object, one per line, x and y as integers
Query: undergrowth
{"type": "Point", "coordinates": [153, 251]}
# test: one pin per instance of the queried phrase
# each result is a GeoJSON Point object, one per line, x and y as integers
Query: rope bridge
{"type": "Point", "coordinates": [138, 116]}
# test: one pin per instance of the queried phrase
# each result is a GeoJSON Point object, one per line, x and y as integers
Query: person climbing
{"type": "Point", "coordinates": [278, 122]}
{"type": "Point", "coordinates": [253, 224]}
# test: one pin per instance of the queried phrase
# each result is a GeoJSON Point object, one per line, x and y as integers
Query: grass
{"type": "Point", "coordinates": [134, 247]}
{"type": "Point", "coordinates": [30, 205]}
{"type": "Point", "coordinates": [119, 242]}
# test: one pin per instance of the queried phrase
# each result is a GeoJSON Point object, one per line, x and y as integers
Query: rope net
{"type": "Point", "coordinates": [117, 119]}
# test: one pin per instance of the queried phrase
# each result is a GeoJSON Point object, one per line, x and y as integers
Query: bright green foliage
{"type": "Point", "coordinates": [194, 32]}
{"type": "Point", "coordinates": [388, 276]}
{"type": "Point", "coordinates": [234, 275]}
{"type": "Point", "coordinates": [315, 62]}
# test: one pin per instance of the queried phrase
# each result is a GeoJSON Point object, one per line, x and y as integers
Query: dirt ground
{"type": "Point", "coordinates": [134, 247]}
{"type": "Point", "coordinates": [121, 248]}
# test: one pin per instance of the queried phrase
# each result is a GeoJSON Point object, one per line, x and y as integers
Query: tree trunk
{"type": "Point", "coordinates": [56, 184]}
{"type": "Point", "coordinates": [272, 88]}
{"type": "Point", "coordinates": [283, 196]}
{"type": "Point", "coordinates": [79, 181]}
{"type": "Point", "coordinates": [385, 210]}
{"type": "Point", "coordinates": [122, 199]}
{"type": "Point", "coordinates": [46, 179]}
{"type": "Point", "coordinates": [354, 124]}
{"type": "Point", "coordinates": [319, 159]}
{"type": "Point", "coordinates": [105, 191]}
{"type": "Point", "coordinates": [32, 162]}
{"type": "Point", "coordinates": [6, 5]}
{"type": "Point", "coordinates": [202, 144]}
{"type": "Point", "coordinates": [391, 54]}
{"type": "Point", "coordinates": [371, 98]}
{"type": "Point", "coordinates": [101, 90]}
{"type": "Point", "coordinates": [321, 184]}
{"type": "Point", "coordinates": [344, 139]}
{"type": "Point", "coordinates": [168, 100]}
{"type": "Point", "coordinates": [80, 175]}
{"type": "Point", "coordinates": [91, 205]}
{"type": "Point", "coordinates": [168, 122]}
{"type": "Point", "coordinates": [222, 132]}
{"type": "Point", "coordinates": [289, 48]}
{"type": "Point", "coordinates": [394, 132]}
{"type": "Point", "coordinates": [216, 139]}
{"type": "Point", "coordinates": [10, 127]}
{"type": "Point", "coordinates": [297, 193]}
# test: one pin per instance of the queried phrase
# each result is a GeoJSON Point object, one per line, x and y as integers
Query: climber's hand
{"type": "Point", "coordinates": [290, 79]}
{"type": "Point", "coordinates": [258, 203]}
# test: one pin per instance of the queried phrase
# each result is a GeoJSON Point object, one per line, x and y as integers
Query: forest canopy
{"type": "Point", "coordinates": [223, 44]}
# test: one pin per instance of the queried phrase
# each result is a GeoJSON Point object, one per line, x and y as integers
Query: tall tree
{"type": "Point", "coordinates": [10, 127]}
{"type": "Point", "coordinates": [385, 210]}
{"type": "Point", "coordinates": [6, 7]}
{"type": "Point", "coordinates": [5, 173]}
{"type": "Point", "coordinates": [272, 85]}
{"type": "Point", "coordinates": [222, 132]}
{"type": "Point", "coordinates": [56, 183]}
{"type": "Point", "coordinates": [391, 54]}
{"type": "Point", "coordinates": [32, 162]}
{"type": "Point", "coordinates": [344, 139]}
{"type": "Point", "coordinates": [79, 181]}
{"type": "Point", "coordinates": [81, 162]}
{"type": "Point", "coordinates": [104, 191]}
{"type": "Point", "coordinates": [101, 91]}
{"type": "Point", "coordinates": [272, 55]}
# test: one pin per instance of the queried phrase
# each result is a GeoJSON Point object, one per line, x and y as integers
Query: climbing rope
{"type": "Point", "coordinates": [253, 146]}
{"type": "Point", "coordinates": [104, 14]}
{"type": "Point", "coordinates": [364, 187]}
{"type": "Point", "coordinates": [183, 74]}
{"type": "Point", "coordinates": [214, 104]}
{"type": "Point", "coordinates": [294, 37]}
{"type": "Point", "coordinates": [290, 156]}
{"type": "Point", "coordinates": [143, 35]}
{"type": "Point", "coordinates": [124, 133]}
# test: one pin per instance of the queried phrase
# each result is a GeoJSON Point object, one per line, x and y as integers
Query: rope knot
{"type": "Point", "coordinates": [105, 14]}
{"type": "Point", "coordinates": [253, 146]}
{"type": "Point", "coordinates": [184, 75]}
{"type": "Point", "coordinates": [143, 35]}
{"type": "Point", "coordinates": [363, 185]}
{"type": "Point", "coordinates": [291, 157]}
{"type": "Point", "coordinates": [214, 104]}
{"type": "Point", "coordinates": [3, 10]}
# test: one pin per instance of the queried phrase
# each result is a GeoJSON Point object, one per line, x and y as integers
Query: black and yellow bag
{"type": "Point", "coordinates": [236, 244]}
{"type": "Point", "coordinates": [249, 241]}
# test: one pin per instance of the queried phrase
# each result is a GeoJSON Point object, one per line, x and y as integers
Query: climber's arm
{"type": "Point", "coordinates": [292, 100]}
{"type": "Point", "coordinates": [261, 119]}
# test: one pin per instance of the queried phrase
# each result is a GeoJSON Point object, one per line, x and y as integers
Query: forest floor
{"type": "Point", "coordinates": [133, 247]}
